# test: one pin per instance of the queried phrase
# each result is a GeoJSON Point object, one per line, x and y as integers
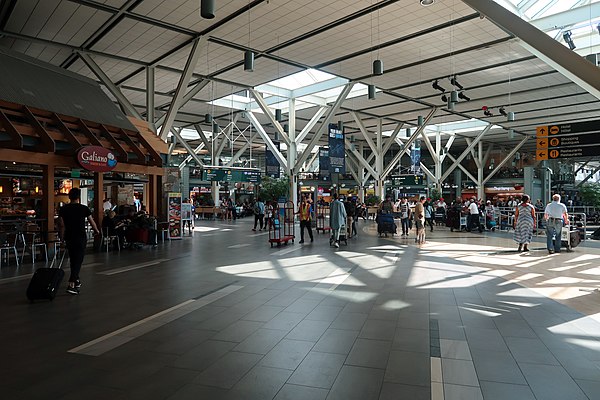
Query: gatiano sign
{"type": "Point", "coordinates": [96, 158]}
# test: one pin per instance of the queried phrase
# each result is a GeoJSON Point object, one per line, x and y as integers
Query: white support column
{"type": "Point", "coordinates": [479, 160]}
{"type": "Point", "coordinates": [362, 174]}
{"type": "Point", "coordinates": [150, 97]}
{"type": "Point", "coordinates": [506, 159]}
{"type": "Point", "coordinates": [409, 142]}
{"type": "Point", "coordinates": [352, 167]}
{"type": "Point", "coordinates": [112, 88]}
{"type": "Point", "coordinates": [325, 124]}
{"type": "Point", "coordinates": [175, 131]}
{"type": "Point", "coordinates": [438, 162]}
{"type": "Point", "coordinates": [311, 124]}
{"type": "Point", "coordinates": [466, 151]}
{"type": "Point", "coordinates": [265, 137]}
{"type": "Point", "coordinates": [267, 112]}
{"type": "Point", "coordinates": [380, 187]}
{"type": "Point", "coordinates": [292, 152]}
{"type": "Point", "coordinates": [238, 154]}
{"type": "Point", "coordinates": [184, 80]}
{"type": "Point", "coordinates": [448, 146]}
{"type": "Point", "coordinates": [186, 98]}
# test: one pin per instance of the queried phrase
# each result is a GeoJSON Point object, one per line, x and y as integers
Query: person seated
{"type": "Point", "coordinates": [112, 226]}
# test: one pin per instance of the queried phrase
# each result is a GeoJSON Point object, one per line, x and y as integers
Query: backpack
{"type": "Point", "coordinates": [256, 208]}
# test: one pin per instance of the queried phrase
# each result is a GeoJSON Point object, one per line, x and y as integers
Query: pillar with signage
{"type": "Point", "coordinates": [174, 215]}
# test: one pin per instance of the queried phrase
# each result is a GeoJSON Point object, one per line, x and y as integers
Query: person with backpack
{"type": "Point", "coordinates": [405, 215]}
{"type": "Point", "coordinates": [259, 214]}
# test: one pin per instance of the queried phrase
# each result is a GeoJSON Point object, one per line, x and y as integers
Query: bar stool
{"type": "Point", "coordinates": [53, 241]}
{"type": "Point", "coordinates": [8, 243]}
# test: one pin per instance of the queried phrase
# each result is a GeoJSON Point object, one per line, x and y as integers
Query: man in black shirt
{"type": "Point", "coordinates": [71, 229]}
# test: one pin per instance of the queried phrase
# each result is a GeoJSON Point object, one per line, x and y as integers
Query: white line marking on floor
{"type": "Point", "coordinates": [133, 267]}
{"type": "Point", "coordinates": [28, 276]}
{"type": "Point", "coordinates": [238, 246]}
{"type": "Point", "coordinates": [121, 336]}
{"type": "Point", "coordinates": [437, 381]}
{"type": "Point", "coordinates": [286, 251]}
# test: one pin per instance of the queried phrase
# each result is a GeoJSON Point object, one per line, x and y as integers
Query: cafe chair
{"type": "Point", "coordinates": [108, 239]}
{"type": "Point", "coordinates": [54, 243]}
{"type": "Point", "coordinates": [8, 244]}
{"type": "Point", "coordinates": [33, 240]}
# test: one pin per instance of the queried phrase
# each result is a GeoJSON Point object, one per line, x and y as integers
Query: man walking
{"type": "Point", "coordinates": [474, 216]}
{"type": "Point", "coordinates": [305, 211]}
{"type": "Point", "coordinates": [71, 229]}
{"type": "Point", "coordinates": [555, 214]}
{"type": "Point", "coordinates": [337, 219]}
{"type": "Point", "coordinates": [405, 215]}
{"type": "Point", "coordinates": [259, 213]}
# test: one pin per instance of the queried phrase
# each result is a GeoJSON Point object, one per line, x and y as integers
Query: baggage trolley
{"type": "Point", "coordinates": [283, 232]}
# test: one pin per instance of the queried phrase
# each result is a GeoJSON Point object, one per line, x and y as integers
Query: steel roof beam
{"type": "Point", "coordinates": [198, 45]}
{"type": "Point", "coordinates": [553, 53]}
{"type": "Point", "coordinates": [265, 137]}
{"type": "Point", "coordinates": [465, 152]}
{"type": "Point", "coordinates": [506, 159]}
{"type": "Point", "coordinates": [176, 132]}
{"type": "Point", "coordinates": [186, 98]}
{"type": "Point", "coordinates": [260, 101]}
{"type": "Point", "coordinates": [114, 90]}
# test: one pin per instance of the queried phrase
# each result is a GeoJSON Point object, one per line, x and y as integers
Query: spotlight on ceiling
{"type": "Point", "coordinates": [371, 92]}
{"type": "Point", "coordinates": [502, 111]}
{"type": "Point", "coordinates": [569, 40]}
{"type": "Point", "coordinates": [207, 9]}
{"type": "Point", "coordinates": [426, 3]}
{"type": "Point", "coordinates": [378, 67]}
{"type": "Point", "coordinates": [487, 112]}
{"type": "Point", "coordinates": [444, 98]}
{"type": "Point", "coordinates": [463, 96]}
{"type": "Point", "coordinates": [455, 83]}
{"type": "Point", "coordinates": [437, 86]}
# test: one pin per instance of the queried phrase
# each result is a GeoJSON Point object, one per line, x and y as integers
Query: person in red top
{"type": "Point", "coordinates": [305, 212]}
{"type": "Point", "coordinates": [71, 229]}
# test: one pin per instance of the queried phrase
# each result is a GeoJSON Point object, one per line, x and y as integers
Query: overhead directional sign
{"type": "Point", "coordinates": [568, 140]}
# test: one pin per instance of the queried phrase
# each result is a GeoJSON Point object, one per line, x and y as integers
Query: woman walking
{"type": "Point", "coordinates": [524, 223]}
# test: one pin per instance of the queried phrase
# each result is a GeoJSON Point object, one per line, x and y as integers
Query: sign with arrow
{"type": "Point", "coordinates": [572, 152]}
{"type": "Point", "coordinates": [541, 154]}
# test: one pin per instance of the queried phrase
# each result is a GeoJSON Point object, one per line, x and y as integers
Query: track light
{"type": "Point", "coordinates": [455, 83]}
{"type": "Point", "coordinates": [511, 134]}
{"type": "Point", "coordinates": [286, 128]}
{"type": "Point", "coordinates": [569, 40]}
{"type": "Point", "coordinates": [248, 61]}
{"type": "Point", "coordinates": [420, 120]}
{"type": "Point", "coordinates": [487, 112]}
{"type": "Point", "coordinates": [437, 86]}
{"type": "Point", "coordinates": [426, 3]}
{"type": "Point", "coordinates": [371, 89]}
{"type": "Point", "coordinates": [462, 95]}
{"type": "Point", "coordinates": [510, 117]}
{"type": "Point", "coordinates": [502, 111]}
{"type": "Point", "coordinates": [215, 127]}
{"type": "Point", "coordinates": [207, 9]}
{"type": "Point", "coordinates": [377, 67]}
{"type": "Point", "coordinates": [451, 105]}
{"type": "Point", "coordinates": [208, 119]}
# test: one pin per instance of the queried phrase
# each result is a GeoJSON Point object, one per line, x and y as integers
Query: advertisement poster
{"type": "Point", "coordinates": [337, 150]}
{"type": "Point", "coordinates": [174, 204]}
{"type": "Point", "coordinates": [415, 156]}
{"type": "Point", "coordinates": [186, 211]}
{"type": "Point", "coordinates": [324, 163]}
{"type": "Point", "coordinates": [271, 163]}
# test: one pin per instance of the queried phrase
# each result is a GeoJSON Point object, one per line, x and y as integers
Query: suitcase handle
{"type": "Point", "coordinates": [62, 259]}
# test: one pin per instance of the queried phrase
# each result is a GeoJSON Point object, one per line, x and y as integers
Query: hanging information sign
{"type": "Point", "coordinates": [337, 150]}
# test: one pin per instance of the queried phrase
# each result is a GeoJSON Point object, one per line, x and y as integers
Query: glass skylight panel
{"type": "Point", "coordinates": [301, 79]}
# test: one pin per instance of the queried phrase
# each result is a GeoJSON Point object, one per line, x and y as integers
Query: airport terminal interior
{"type": "Point", "coordinates": [172, 118]}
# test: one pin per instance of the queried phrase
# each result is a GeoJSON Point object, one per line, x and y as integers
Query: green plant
{"type": "Point", "coordinates": [435, 194]}
{"type": "Point", "coordinates": [590, 194]}
{"type": "Point", "coordinates": [372, 200]}
{"type": "Point", "coordinates": [271, 189]}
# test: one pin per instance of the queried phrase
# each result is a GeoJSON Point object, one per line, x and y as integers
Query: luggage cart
{"type": "Point", "coordinates": [283, 231]}
{"type": "Point", "coordinates": [322, 216]}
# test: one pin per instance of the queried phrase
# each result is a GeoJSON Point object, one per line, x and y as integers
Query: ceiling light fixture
{"type": "Point", "coordinates": [510, 117]}
{"type": "Point", "coordinates": [248, 54]}
{"type": "Point", "coordinates": [207, 9]}
{"type": "Point", "coordinates": [454, 82]}
{"type": "Point", "coordinates": [502, 111]}
{"type": "Point", "coordinates": [463, 96]}
{"type": "Point", "coordinates": [278, 116]}
{"type": "Point", "coordinates": [371, 89]}
{"type": "Point", "coordinates": [426, 3]}
{"type": "Point", "coordinates": [377, 67]}
{"type": "Point", "coordinates": [454, 96]}
{"type": "Point", "coordinates": [569, 40]}
{"type": "Point", "coordinates": [208, 119]}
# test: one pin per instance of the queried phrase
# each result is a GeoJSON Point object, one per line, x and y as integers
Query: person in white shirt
{"type": "Point", "coordinates": [106, 206]}
{"type": "Point", "coordinates": [474, 216]}
{"type": "Point", "coordinates": [555, 215]}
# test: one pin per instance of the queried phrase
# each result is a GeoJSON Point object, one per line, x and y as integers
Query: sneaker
{"type": "Point", "coordinates": [300, 242]}
{"type": "Point", "coordinates": [312, 240]}
{"type": "Point", "coordinates": [337, 245]}
{"type": "Point", "coordinates": [77, 284]}
{"type": "Point", "coordinates": [253, 229]}
{"type": "Point", "coordinates": [72, 290]}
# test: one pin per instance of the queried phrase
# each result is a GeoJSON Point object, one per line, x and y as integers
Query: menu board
{"type": "Point", "coordinates": [174, 211]}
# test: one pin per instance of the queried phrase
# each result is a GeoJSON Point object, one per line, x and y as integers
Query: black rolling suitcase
{"type": "Point", "coordinates": [45, 281]}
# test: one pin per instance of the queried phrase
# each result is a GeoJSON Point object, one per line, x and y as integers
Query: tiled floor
{"type": "Point", "coordinates": [223, 315]}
